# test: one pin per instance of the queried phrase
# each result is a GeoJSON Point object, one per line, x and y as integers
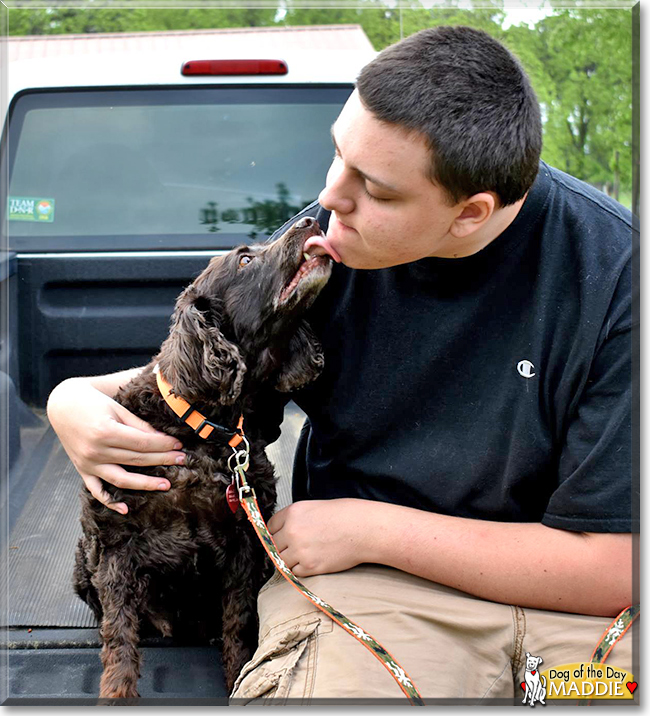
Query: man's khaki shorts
{"type": "Point", "coordinates": [452, 645]}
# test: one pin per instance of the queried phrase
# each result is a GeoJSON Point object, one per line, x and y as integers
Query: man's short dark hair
{"type": "Point", "coordinates": [472, 101]}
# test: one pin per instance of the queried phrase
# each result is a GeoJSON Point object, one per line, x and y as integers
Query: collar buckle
{"type": "Point", "coordinates": [218, 432]}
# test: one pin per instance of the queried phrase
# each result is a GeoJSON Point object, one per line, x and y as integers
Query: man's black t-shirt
{"type": "Point", "coordinates": [496, 386]}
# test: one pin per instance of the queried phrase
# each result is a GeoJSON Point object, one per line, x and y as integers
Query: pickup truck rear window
{"type": "Point", "coordinates": [165, 167]}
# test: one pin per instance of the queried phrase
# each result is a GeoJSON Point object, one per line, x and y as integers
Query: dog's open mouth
{"type": "Point", "coordinates": [314, 266]}
{"type": "Point", "coordinates": [310, 270]}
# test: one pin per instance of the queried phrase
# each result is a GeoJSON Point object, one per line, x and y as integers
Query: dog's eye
{"type": "Point", "coordinates": [245, 260]}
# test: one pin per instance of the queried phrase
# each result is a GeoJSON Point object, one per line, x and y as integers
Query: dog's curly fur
{"type": "Point", "coordinates": [180, 560]}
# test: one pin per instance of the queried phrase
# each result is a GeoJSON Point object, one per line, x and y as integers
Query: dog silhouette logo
{"type": "Point", "coordinates": [534, 684]}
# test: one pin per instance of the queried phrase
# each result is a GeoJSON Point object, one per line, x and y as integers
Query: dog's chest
{"type": "Point", "coordinates": [190, 507]}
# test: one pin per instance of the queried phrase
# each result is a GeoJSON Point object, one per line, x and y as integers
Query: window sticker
{"type": "Point", "coordinates": [27, 208]}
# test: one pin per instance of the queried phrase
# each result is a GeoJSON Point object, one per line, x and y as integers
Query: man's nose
{"type": "Point", "coordinates": [336, 194]}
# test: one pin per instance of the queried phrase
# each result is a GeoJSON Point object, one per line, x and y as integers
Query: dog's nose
{"type": "Point", "coordinates": [305, 222]}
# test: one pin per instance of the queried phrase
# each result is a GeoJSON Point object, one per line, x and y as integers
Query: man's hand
{"type": "Point", "coordinates": [320, 536]}
{"type": "Point", "coordinates": [100, 435]}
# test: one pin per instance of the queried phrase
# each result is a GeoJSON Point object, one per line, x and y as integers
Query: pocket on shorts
{"type": "Point", "coordinates": [272, 672]}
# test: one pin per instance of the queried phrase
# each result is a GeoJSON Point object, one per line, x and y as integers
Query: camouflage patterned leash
{"type": "Point", "coordinates": [238, 464]}
{"type": "Point", "coordinates": [614, 633]}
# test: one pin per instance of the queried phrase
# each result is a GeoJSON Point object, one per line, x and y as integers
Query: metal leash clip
{"type": "Point", "coordinates": [238, 463]}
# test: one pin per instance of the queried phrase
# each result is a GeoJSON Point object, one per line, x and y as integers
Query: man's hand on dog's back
{"type": "Point", "coordinates": [100, 436]}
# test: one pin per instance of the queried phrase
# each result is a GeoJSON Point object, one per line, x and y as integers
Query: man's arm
{"type": "Point", "coordinates": [530, 565]}
{"type": "Point", "coordinates": [100, 436]}
{"type": "Point", "coordinates": [108, 384]}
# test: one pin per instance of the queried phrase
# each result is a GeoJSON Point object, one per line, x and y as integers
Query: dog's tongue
{"type": "Point", "coordinates": [320, 246]}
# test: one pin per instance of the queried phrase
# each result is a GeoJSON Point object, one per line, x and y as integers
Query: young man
{"type": "Point", "coordinates": [463, 483]}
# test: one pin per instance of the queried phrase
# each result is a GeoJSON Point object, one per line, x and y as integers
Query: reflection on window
{"type": "Point", "coordinates": [204, 168]}
{"type": "Point", "coordinates": [262, 216]}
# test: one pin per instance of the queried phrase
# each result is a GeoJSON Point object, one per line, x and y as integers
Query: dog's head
{"type": "Point", "coordinates": [532, 662]}
{"type": "Point", "coordinates": [242, 319]}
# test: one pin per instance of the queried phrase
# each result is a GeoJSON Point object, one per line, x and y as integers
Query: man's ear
{"type": "Point", "coordinates": [475, 212]}
{"type": "Point", "coordinates": [196, 359]}
{"type": "Point", "coordinates": [304, 361]}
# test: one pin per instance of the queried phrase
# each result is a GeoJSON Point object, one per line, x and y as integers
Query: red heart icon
{"type": "Point", "coordinates": [533, 673]}
{"type": "Point", "coordinates": [523, 685]}
{"type": "Point", "coordinates": [631, 685]}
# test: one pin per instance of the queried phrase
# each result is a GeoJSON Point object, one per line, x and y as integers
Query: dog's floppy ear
{"type": "Point", "coordinates": [304, 361]}
{"type": "Point", "coordinates": [196, 359]}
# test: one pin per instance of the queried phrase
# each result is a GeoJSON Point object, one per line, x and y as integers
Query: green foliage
{"type": "Point", "coordinates": [579, 60]}
{"type": "Point", "coordinates": [385, 24]}
{"type": "Point", "coordinates": [375, 17]}
{"type": "Point", "coordinates": [56, 20]}
{"type": "Point", "coordinates": [485, 18]}
{"type": "Point", "coordinates": [587, 94]}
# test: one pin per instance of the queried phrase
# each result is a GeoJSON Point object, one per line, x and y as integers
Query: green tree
{"type": "Point", "coordinates": [26, 21]}
{"type": "Point", "coordinates": [581, 68]}
{"type": "Point", "coordinates": [386, 23]}
{"type": "Point", "coordinates": [378, 20]}
{"type": "Point", "coordinates": [488, 17]}
{"type": "Point", "coordinates": [59, 19]}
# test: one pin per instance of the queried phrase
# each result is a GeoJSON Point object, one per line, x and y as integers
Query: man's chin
{"type": "Point", "coordinates": [359, 263]}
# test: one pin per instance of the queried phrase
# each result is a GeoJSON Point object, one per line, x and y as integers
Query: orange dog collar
{"type": "Point", "coordinates": [203, 427]}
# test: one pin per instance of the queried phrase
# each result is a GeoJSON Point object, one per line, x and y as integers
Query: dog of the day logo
{"type": "Point", "coordinates": [582, 680]}
{"type": "Point", "coordinates": [534, 685]}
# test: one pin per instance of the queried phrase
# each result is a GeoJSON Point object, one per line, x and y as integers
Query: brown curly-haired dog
{"type": "Point", "coordinates": [181, 560]}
